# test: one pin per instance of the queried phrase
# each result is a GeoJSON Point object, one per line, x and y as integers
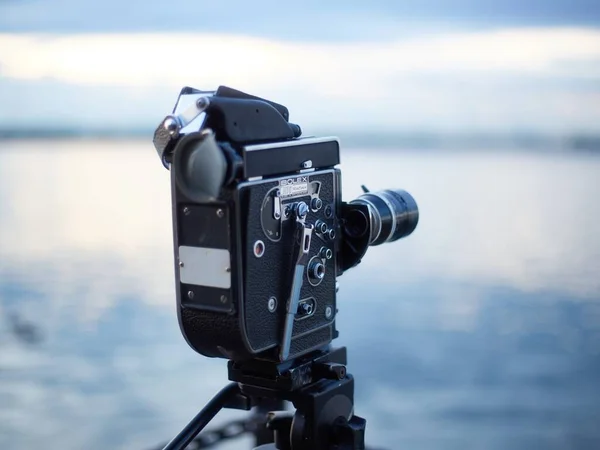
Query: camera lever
{"type": "Point", "coordinates": [302, 239]}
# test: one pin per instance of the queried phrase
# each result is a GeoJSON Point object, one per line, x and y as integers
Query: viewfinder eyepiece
{"type": "Point", "coordinates": [200, 166]}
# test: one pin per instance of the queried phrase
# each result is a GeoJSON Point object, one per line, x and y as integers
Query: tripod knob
{"type": "Point", "coordinates": [281, 424]}
{"type": "Point", "coordinates": [350, 433]}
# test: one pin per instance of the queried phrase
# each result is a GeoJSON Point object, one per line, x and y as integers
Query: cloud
{"type": "Point", "coordinates": [500, 80]}
{"type": "Point", "coordinates": [155, 59]}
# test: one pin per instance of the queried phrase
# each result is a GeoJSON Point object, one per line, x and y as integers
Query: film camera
{"type": "Point", "coordinates": [260, 236]}
{"type": "Point", "coordinates": [260, 229]}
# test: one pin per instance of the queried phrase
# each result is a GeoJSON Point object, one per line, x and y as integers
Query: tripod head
{"type": "Point", "coordinates": [322, 392]}
{"type": "Point", "coordinates": [318, 386]}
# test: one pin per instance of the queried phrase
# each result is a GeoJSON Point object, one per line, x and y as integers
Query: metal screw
{"type": "Point", "coordinates": [306, 309]}
{"type": "Point", "coordinates": [302, 210]}
{"type": "Point", "coordinates": [223, 299]}
{"type": "Point", "coordinates": [190, 294]}
{"type": "Point", "coordinates": [186, 211]}
{"type": "Point", "coordinates": [328, 312]}
{"type": "Point", "coordinates": [202, 103]}
{"type": "Point", "coordinates": [328, 211]}
{"type": "Point", "coordinates": [307, 164]}
{"type": "Point", "coordinates": [180, 263]}
{"type": "Point", "coordinates": [171, 124]}
{"type": "Point", "coordinates": [272, 304]}
{"type": "Point", "coordinates": [228, 269]}
{"type": "Point", "coordinates": [220, 213]}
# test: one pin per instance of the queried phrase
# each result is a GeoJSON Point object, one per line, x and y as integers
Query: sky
{"type": "Point", "coordinates": [434, 65]}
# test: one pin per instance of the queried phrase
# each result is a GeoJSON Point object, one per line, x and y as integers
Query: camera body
{"type": "Point", "coordinates": [235, 262]}
{"type": "Point", "coordinates": [260, 229]}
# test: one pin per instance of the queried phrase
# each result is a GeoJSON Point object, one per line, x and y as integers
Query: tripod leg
{"type": "Point", "coordinates": [191, 430]}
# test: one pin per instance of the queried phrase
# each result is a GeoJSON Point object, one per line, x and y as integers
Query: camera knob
{"type": "Point", "coordinates": [316, 204]}
{"type": "Point", "coordinates": [326, 253]}
{"type": "Point", "coordinates": [280, 422]}
{"type": "Point", "coordinates": [321, 227]}
{"type": "Point", "coordinates": [316, 271]}
{"type": "Point", "coordinates": [302, 210]}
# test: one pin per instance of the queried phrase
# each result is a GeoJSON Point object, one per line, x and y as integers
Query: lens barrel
{"type": "Point", "coordinates": [393, 214]}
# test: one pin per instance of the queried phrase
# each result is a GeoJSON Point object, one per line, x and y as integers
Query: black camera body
{"type": "Point", "coordinates": [260, 230]}
{"type": "Point", "coordinates": [235, 265]}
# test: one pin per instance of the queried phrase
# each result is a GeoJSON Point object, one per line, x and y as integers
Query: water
{"type": "Point", "coordinates": [482, 330]}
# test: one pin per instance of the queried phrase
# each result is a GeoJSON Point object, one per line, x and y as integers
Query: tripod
{"type": "Point", "coordinates": [317, 385]}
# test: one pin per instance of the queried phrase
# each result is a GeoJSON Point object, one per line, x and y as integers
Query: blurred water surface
{"type": "Point", "coordinates": [480, 331]}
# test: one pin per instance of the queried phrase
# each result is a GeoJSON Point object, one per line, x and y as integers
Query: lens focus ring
{"type": "Point", "coordinates": [393, 214]}
{"type": "Point", "coordinates": [406, 213]}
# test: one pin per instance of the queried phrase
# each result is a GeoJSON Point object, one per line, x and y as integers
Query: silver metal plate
{"type": "Point", "coordinates": [292, 143]}
{"type": "Point", "coordinates": [186, 109]}
{"type": "Point", "coordinates": [294, 186]}
{"type": "Point", "coordinates": [202, 266]}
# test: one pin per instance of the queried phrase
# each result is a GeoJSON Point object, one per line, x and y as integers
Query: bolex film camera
{"type": "Point", "coordinates": [261, 234]}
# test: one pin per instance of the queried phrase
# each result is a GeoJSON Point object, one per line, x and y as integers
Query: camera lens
{"type": "Point", "coordinates": [393, 214]}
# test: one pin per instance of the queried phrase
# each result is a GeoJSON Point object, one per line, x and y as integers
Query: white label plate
{"type": "Point", "coordinates": [204, 266]}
